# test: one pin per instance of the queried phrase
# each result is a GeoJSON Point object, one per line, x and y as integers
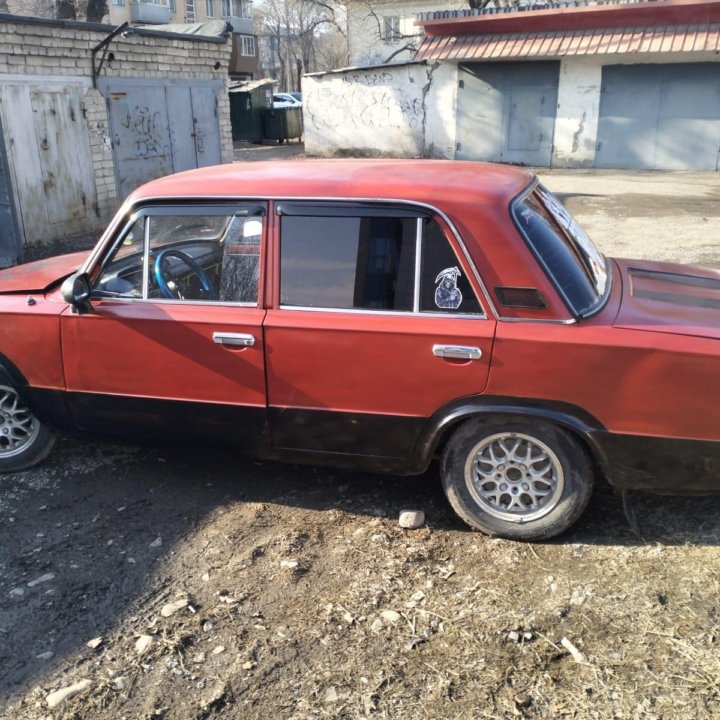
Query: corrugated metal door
{"type": "Point", "coordinates": [660, 117]}
{"type": "Point", "coordinates": [9, 233]}
{"type": "Point", "coordinates": [506, 112]}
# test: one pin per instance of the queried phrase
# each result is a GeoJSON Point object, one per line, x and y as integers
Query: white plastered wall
{"type": "Point", "coordinates": [389, 110]}
{"type": "Point", "coordinates": [578, 110]}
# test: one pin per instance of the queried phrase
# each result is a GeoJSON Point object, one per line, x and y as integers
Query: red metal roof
{"type": "Point", "coordinates": [588, 17]}
{"type": "Point", "coordinates": [632, 40]}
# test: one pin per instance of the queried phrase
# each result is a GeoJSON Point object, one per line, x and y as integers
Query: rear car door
{"type": "Point", "coordinates": [376, 323]}
{"type": "Point", "coordinates": [173, 345]}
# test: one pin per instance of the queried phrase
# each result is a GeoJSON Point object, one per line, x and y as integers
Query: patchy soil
{"type": "Point", "coordinates": [191, 583]}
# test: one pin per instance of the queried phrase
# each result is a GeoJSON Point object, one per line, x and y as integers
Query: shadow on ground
{"type": "Point", "coordinates": [81, 537]}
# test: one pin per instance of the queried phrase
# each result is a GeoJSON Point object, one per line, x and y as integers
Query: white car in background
{"type": "Point", "coordinates": [285, 100]}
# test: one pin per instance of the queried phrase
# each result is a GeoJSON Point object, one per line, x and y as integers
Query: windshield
{"type": "Point", "coordinates": [573, 262]}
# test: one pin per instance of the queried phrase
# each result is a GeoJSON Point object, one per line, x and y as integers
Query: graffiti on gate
{"type": "Point", "coordinates": [147, 131]}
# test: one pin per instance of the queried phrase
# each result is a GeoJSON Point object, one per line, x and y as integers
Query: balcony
{"type": "Point", "coordinates": [241, 25]}
{"type": "Point", "coordinates": [150, 11]}
{"type": "Point", "coordinates": [239, 13]}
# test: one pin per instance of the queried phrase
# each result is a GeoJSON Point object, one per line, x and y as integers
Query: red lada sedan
{"type": "Point", "coordinates": [374, 315]}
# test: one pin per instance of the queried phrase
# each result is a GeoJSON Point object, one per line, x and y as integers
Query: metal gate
{"type": "Point", "coordinates": [9, 232]}
{"type": "Point", "coordinates": [49, 160]}
{"type": "Point", "coordinates": [506, 112]}
{"type": "Point", "coordinates": [660, 117]}
{"type": "Point", "coordinates": [161, 127]}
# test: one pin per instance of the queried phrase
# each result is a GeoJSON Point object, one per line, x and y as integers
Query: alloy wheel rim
{"type": "Point", "coordinates": [18, 426]}
{"type": "Point", "coordinates": [514, 477]}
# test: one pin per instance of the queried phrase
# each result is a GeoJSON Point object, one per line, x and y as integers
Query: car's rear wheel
{"type": "Point", "coordinates": [516, 479]}
{"type": "Point", "coordinates": [24, 440]}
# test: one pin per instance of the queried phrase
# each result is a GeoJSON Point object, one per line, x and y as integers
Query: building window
{"type": "Point", "coordinates": [190, 11]}
{"type": "Point", "coordinates": [171, 5]}
{"type": "Point", "coordinates": [210, 8]}
{"type": "Point", "coordinates": [248, 46]}
{"type": "Point", "coordinates": [391, 28]}
{"type": "Point", "coordinates": [237, 8]}
{"type": "Point", "coordinates": [118, 2]}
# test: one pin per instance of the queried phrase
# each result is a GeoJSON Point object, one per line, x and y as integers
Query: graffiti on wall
{"type": "Point", "coordinates": [371, 100]}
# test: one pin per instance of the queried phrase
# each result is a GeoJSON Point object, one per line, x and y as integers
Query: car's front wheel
{"type": "Point", "coordinates": [516, 479]}
{"type": "Point", "coordinates": [24, 440]}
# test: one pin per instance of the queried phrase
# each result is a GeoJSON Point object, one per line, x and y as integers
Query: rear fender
{"type": "Point", "coordinates": [441, 425]}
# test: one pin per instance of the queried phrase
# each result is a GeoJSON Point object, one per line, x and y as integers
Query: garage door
{"type": "Point", "coordinates": [660, 117]}
{"type": "Point", "coordinates": [506, 111]}
{"type": "Point", "coordinates": [161, 126]}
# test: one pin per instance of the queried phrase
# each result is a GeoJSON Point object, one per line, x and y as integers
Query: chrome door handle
{"type": "Point", "coordinates": [457, 352]}
{"type": "Point", "coordinates": [239, 339]}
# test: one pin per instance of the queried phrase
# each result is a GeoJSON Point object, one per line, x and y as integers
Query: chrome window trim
{"type": "Point", "coordinates": [168, 301]}
{"type": "Point", "coordinates": [393, 313]}
{"type": "Point", "coordinates": [146, 258]}
{"type": "Point", "coordinates": [418, 263]}
{"type": "Point", "coordinates": [202, 200]}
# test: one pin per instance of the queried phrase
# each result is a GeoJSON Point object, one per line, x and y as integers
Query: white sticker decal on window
{"type": "Point", "coordinates": [447, 293]}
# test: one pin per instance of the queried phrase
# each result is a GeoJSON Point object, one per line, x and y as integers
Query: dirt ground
{"type": "Point", "coordinates": [190, 583]}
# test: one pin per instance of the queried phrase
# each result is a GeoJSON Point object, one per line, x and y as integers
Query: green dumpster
{"type": "Point", "coordinates": [247, 102]}
{"type": "Point", "coordinates": [282, 124]}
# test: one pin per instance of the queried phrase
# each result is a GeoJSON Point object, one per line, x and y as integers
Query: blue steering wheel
{"type": "Point", "coordinates": [164, 284]}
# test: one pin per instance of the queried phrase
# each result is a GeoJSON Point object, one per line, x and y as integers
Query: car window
{"type": "Point", "coordinates": [562, 259]}
{"type": "Point", "coordinates": [348, 262]}
{"type": "Point", "coordinates": [443, 285]}
{"type": "Point", "coordinates": [369, 263]}
{"type": "Point", "coordinates": [201, 256]}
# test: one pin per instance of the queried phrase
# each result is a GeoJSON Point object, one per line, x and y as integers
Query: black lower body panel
{"type": "Point", "coordinates": [661, 465]}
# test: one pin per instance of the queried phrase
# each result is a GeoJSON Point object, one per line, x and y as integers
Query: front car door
{"type": "Point", "coordinates": [374, 326]}
{"type": "Point", "coordinates": [173, 345]}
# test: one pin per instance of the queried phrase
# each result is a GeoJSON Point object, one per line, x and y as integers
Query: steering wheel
{"type": "Point", "coordinates": [172, 293]}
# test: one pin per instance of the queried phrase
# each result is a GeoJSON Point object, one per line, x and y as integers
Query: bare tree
{"type": "Point", "coordinates": [295, 29]}
{"type": "Point", "coordinates": [96, 10]}
{"type": "Point", "coordinates": [65, 10]}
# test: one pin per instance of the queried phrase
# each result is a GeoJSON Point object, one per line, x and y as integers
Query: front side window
{"type": "Point", "coordinates": [576, 266]}
{"type": "Point", "coordinates": [194, 255]}
{"type": "Point", "coordinates": [381, 262]}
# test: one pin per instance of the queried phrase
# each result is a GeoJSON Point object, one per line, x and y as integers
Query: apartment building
{"type": "Point", "coordinates": [238, 13]}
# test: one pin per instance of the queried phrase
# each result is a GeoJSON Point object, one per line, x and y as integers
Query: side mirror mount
{"type": "Point", "coordinates": [76, 291]}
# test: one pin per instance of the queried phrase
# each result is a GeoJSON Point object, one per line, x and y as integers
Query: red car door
{"type": "Point", "coordinates": [173, 345]}
{"type": "Point", "coordinates": [376, 324]}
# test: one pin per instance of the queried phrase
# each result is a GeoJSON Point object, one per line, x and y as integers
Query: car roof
{"type": "Point", "coordinates": [434, 182]}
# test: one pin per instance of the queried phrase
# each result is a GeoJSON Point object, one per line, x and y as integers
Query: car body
{"type": "Point", "coordinates": [375, 314]}
{"type": "Point", "coordinates": [285, 100]}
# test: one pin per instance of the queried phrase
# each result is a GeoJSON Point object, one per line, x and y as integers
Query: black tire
{"type": "Point", "coordinates": [24, 440]}
{"type": "Point", "coordinates": [535, 495]}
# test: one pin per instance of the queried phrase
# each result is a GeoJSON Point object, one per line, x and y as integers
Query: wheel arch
{"type": "Point", "coordinates": [583, 426]}
{"type": "Point", "coordinates": [10, 371]}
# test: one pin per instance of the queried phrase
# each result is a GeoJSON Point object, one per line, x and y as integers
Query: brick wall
{"type": "Point", "coordinates": [45, 53]}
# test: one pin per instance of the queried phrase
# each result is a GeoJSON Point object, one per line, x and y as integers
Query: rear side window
{"type": "Point", "coordinates": [379, 261]}
{"type": "Point", "coordinates": [348, 262]}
